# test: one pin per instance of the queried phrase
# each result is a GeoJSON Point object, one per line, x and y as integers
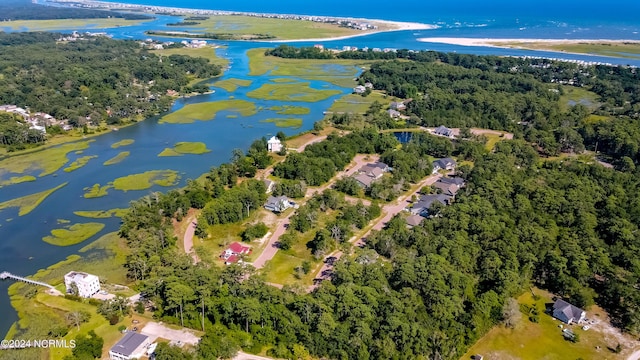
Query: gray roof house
{"type": "Point", "coordinates": [414, 220]}
{"type": "Point", "coordinates": [443, 131]}
{"type": "Point", "coordinates": [447, 189]}
{"type": "Point", "coordinates": [444, 163]}
{"type": "Point", "coordinates": [398, 106]}
{"type": "Point", "coordinates": [368, 173]}
{"type": "Point", "coordinates": [422, 206]}
{"type": "Point", "coordinates": [393, 113]}
{"type": "Point", "coordinates": [458, 181]}
{"type": "Point", "coordinates": [278, 203]}
{"type": "Point", "coordinates": [359, 89]}
{"type": "Point", "coordinates": [131, 346]}
{"type": "Point", "coordinates": [568, 313]}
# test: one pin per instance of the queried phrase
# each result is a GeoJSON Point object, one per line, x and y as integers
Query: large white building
{"type": "Point", "coordinates": [274, 144]}
{"type": "Point", "coordinates": [87, 284]}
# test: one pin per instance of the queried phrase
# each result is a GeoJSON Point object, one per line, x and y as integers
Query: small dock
{"type": "Point", "coordinates": [7, 275]}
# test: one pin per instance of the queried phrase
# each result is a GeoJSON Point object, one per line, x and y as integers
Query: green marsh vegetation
{"type": "Point", "coordinates": [183, 148]}
{"type": "Point", "coordinates": [65, 24]}
{"type": "Point", "coordinates": [74, 234]}
{"type": "Point", "coordinates": [26, 204]}
{"type": "Point", "coordinates": [208, 110]}
{"type": "Point", "coordinates": [291, 92]}
{"type": "Point", "coordinates": [47, 161]}
{"type": "Point", "coordinates": [17, 180]}
{"type": "Point", "coordinates": [118, 158]}
{"type": "Point", "coordinates": [123, 142]}
{"type": "Point", "coordinates": [619, 49]}
{"type": "Point", "coordinates": [101, 214]}
{"type": "Point", "coordinates": [232, 85]}
{"type": "Point", "coordinates": [96, 191]}
{"type": "Point", "coordinates": [78, 163]}
{"type": "Point", "coordinates": [284, 122]}
{"type": "Point", "coordinates": [146, 180]}
{"type": "Point", "coordinates": [290, 110]}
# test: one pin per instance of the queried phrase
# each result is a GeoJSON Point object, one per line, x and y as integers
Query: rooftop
{"type": "Point", "coordinates": [129, 343]}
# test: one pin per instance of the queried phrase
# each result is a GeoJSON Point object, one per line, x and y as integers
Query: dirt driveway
{"type": "Point", "coordinates": [156, 330]}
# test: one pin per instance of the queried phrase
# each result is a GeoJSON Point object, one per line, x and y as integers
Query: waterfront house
{"type": "Point", "coordinates": [86, 284]}
{"type": "Point", "coordinates": [359, 89]}
{"type": "Point", "coordinates": [274, 144]}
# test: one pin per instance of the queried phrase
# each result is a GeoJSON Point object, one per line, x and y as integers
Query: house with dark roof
{"type": "Point", "coordinates": [456, 180]}
{"type": "Point", "coordinates": [398, 106]}
{"type": "Point", "coordinates": [278, 203]}
{"type": "Point", "coordinates": [568, 313]}
{"type": "Point", "coordinates": [443, 131]}
{"type": "Point", "coordinates": [444, 163]}
{"type": "Point", "coordinates": [131, 346]}
{"type": "Point", "coordinates": [422, 206]}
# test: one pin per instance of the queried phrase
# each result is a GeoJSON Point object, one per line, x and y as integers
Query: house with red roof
{"type": "Point", "coordinates": [233, 253]}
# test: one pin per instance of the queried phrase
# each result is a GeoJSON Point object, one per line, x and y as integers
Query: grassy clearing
{"type": "Point", "coordinates": [102, 214]}
{"type": "Point", "coordinates": [290, 110]}
{"type": "Point", "coordinates": [48, 160]}
{"type": "Point", "coordinates": [284, 123]}
{"type": "Point", "coordinates": [146, 180]}
{"type": "Point", "coordinates": [204, 52]}
{"type": "Point", "coordinates": [338, 72]}
{"type": "Point", "coordinates": [357, 104]}
{"type": "Point", "coordinates": [291, 92]}
{"type": "Point", "coordinates": [281, 269]}
{"type": "Point", "coordinates": [575, 95]}
{"type": "Point", "coordinates": [542, 340]}
{"type": "Point", "coordinates": [26, 204]}
{"type": "Point", "coordinates": [39, 314]}
{"type": "Point", "coordinates": [67, 24]}
{"type": "Point", "coordinates": [118, 158]}
{"type": "Point", "coordinates": [592, 119]}
{"type": "Point", "coordinates": [182, 148]}
{"type": "Point", "coordinates": [121, 143]}
{"type": "Point", "coordinates": [96, 191]}
{"type": "Point", "coordinates": [492, 140]}
{"type": "Point", "coordinates": [75, 234]}
{"type": "Point", "coordinates": [284, 29]}
{"type": "Point", "coordinates": [628, 50]}
{"type": "Point", "coordinates": [208, 110]}
{"type": "Point", "coordinates": [79, 162]}
{"type": "Point", "coordinates": [232, 85]}
{"type": "Point", "coordinates": [17, 180]}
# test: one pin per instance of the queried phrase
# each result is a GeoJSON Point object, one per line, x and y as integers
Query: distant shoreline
{"type": "Point", "coordinates": [513, 43]}
{"type": "Point", "coordinates": [387, 25]}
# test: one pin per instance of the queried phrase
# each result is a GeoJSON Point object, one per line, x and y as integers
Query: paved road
{"type": "Point", "coordinates": [188, 239]}
{"type": "Point", "coordinates": [244, 356]}
{"type": "Point", "coordinates": [271, 249]}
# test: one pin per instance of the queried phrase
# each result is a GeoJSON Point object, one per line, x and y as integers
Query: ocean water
{"type": "Point", "coordinates": [494, 18]}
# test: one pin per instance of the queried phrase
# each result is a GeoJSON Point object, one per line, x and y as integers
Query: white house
{"type": "Point", "coordinates": [131, 346]}
{"type": "Point", "coordinates": [87, 284]}
{"type": "Point", "coordinates": [274, 144]}
{"type": "Point", "coordinates": [359, 89]}
{"type": "Point", "coordinates": [278, 203]}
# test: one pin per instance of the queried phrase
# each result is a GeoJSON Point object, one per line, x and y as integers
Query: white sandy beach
{"type": "Point", "coordinates": [393, 26]}
{"type": "Point", "coordinates": [496, 42]}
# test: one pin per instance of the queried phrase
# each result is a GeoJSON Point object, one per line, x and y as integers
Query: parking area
{"type": "Point", "coordinates": [156, 330]}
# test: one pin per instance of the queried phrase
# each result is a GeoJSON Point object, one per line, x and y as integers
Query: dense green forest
{"type": "Point", "coordinates": [508, 93]}
{"type": "Point", "coordinates": [14, 131]}
{"type": "Point", "coordinates": [99, 79]}
{"type": "Point", "coordinates": [412, 293]}
{"type": "Point", "coordinates": [27, 10]}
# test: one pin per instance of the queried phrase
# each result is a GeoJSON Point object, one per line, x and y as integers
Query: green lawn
{"type": "Point", "coordinates": [232, 85]}
{"type": "Point", "coordinates": [47, 161]}
{"type": "Point", "coordinates": [291, 92]}
{"type": "Point", "coordinates": [543, 340]}
{"type": "Point", "coordinates": [284, 122]}
{"type": "Point", "coordinates": [182, 148]}
{"type": "Point", "coordinates": [75, 234]}
{"type": "Point", "coordinates": [285, 29]}
{"type": "Point", "coordinates": [118, 158]}
{"type": "Point", "coordinates": [65, 24]}
{"type": "Point", "coordinates": [208, 110]}
{"type": "Point", "coordinates": [26, 204]}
